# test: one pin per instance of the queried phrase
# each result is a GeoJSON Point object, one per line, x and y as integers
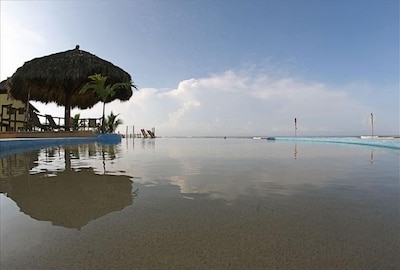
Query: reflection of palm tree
{"type": "Point", "coordinates": [110, 149]}
{"type": "Point", "coordinates": [104, 160]}
{"type": "Point", "coordinates": [108, 152]}
{"type": "Point", "coordinates": [61, 158]}
{"type": "Point", "coordinates": [75, 153]}
{"type": "Point", "coordinates": [67, 157]}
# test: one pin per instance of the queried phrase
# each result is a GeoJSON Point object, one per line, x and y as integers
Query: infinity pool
{"type": "Point", "coordinates": [201, 203]}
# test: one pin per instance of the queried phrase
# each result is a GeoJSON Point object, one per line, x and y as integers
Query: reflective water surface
{"type": "Point", "coordinates": [201, 203]}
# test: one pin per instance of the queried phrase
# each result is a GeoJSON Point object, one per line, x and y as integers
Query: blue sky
{"type": "Point", "coordinates": [227, 67]}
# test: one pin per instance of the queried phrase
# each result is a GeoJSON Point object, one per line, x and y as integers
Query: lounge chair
{"type": "Point", "coordinates": [151, 134]}
{"type": "Point", "coordinates": [52, 123]}
{"type": "Point", "coordinates": [144, 133]}
{"type": "Point", "coordinates": [92, 123]}
{"type": "Point", "coordinates": [36, 122]}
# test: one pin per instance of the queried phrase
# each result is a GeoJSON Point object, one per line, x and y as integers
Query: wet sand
{"type": "Point", "coordinates": [305, 231]}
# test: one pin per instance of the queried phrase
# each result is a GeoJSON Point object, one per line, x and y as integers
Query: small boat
{"type": "Point", "coordinates": [369, 137]}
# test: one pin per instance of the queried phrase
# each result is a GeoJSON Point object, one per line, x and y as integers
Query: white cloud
{"type": "Point", "coordinates": [175, 117]}
{"type": "Point", "coordinates": [236, 104]}
{"type": "Point", "coordinates": [14, 51]}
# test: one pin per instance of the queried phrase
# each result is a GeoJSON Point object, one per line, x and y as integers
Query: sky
{"type": "Point", "coordinates": [226, 67]}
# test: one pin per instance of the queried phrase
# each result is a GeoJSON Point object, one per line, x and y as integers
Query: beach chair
{"type": "Point", "coordinates": [82, 124]}
{"type": "Point", "coordinates": [36, 122]}
{"type": "Point", "coordinates": [92, 123]}
{"type": "Point", "coordinates": [144, 133]}
{"type": "Point", "coordinates": [52, 123]}
{"type": "Point", "coordinates": [151, 134]}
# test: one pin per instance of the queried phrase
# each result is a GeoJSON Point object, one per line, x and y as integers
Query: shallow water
{"type": "Point", "coordinates": [202, 203]}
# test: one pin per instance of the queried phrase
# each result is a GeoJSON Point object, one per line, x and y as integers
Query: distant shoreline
{"type": "Point", "coordinates": [377, 137]}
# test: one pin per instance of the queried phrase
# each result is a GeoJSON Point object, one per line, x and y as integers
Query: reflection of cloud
{"type": "Point", "coordinates": [229, 169]}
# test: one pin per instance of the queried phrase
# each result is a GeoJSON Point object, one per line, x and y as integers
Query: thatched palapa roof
{"type": "Point", "coordinates": [60, 76]}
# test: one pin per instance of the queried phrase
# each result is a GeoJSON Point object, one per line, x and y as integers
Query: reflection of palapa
{"type": "Point", "coordinates": [72, 198]}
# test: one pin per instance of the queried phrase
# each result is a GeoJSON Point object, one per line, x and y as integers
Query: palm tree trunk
{"type": "Point", "coordinates": [104, 113]}
{"type": "Point", "coordinates": [67, 114]}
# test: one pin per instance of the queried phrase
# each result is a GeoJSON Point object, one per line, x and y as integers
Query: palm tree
{"type": "Point", "coordinates": [106, 92]}
{"type": "Point", "coordinates": [75, 121]}
{"type": "Point", "coordinates": [112, 122]}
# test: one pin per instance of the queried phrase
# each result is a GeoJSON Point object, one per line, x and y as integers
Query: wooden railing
{"type": "Point", "coordinates": [16, 119]}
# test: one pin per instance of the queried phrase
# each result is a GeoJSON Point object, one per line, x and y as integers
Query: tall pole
{"type": "Point", "coordinates": [372, 125]}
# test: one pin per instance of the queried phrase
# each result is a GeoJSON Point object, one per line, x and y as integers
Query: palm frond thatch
{"type": "Point", "coordinates": [59, 76]}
